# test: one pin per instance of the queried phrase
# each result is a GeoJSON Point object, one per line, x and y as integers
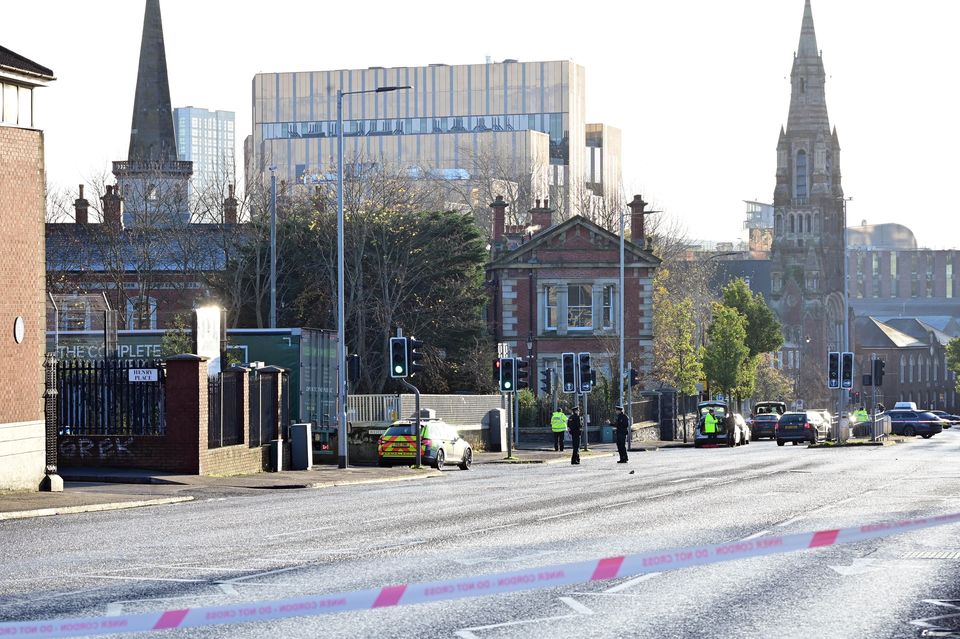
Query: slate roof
{"type": "Point", "coordinates": [19, 64]}
{"type": "Point", "coordinates": [88, 248]}
{"type": "Point", "coordinates": [917, 328]}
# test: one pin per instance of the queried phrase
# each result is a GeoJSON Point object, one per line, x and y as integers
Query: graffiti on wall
{"type": "Point", "coordinates": [97, 448]}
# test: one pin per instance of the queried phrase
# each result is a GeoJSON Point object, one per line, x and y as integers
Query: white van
{"type": "Point", "coordinates": [905, 406]}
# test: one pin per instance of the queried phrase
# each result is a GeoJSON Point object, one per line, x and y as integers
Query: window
{"type": "Point", "coordinates": [801, 179]}
{"type": "Point", "coordinates": [550, 307]}
{"type": "Point", "coordinates": [152, 193]}
{"type": "Point", "coordinates": [776, 282]}
{"type": "Point", "coordinates": [579, 307]}
{"type": "Point", "coordinates": [893, 274]}
{"type": "Point", "coordinates": [949, 280]}
{"type": "Point", "coordinates": [608, 307]}
{"type": "Point", "coordinates": [141, 313]}
{"type": "Point", "coordinates": [793, 228]}
{"type": "Point", "coordinates": [74, 317]}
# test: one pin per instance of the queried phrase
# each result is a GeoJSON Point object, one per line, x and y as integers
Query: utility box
{"type": "Point", "coordinates": [276, 455]}
{"type": "Point", "coordinates": [324, 445]}
{"type": "Point", "coordinates": [301, 447]}
{"type": "Point", "coordinates": [498, 430]}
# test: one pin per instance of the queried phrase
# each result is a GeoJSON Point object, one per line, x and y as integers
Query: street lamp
{"type": "Point", "coordinates": [273, 246]}
{"type": "Point", "coordinates": [341, 336]}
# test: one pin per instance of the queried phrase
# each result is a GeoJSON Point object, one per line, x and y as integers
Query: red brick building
{"type": "Point", "coordinates": [22, 439]}
{"type": "Point", "coordinates": [556, 289]}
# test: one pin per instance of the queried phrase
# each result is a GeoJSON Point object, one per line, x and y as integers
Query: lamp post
{"type": "Point", "coordinates": [341, 336]}
{"type": "Point", "coordinates": [273, 246]}
{"type": "Point", "coordinates": [623, 223]}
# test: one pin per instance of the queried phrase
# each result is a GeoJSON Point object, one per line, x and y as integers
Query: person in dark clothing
{"type": "Point", "coordinates": [623, 427]}
{"type": "Point", "coordinates": [575, 426]}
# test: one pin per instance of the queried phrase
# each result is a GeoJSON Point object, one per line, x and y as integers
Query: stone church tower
{"type": "Point", "coordinates": [809, 220]}
{"type": "Point", "coordinates": [152, 181]}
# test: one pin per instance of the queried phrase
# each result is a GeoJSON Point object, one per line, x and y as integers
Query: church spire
{"type": "Point", "coordinates": [151, 135]}
{"type": "Point", "coordinates": [808, 36]}
{"type": "Point", "coordinates": [808, 100]}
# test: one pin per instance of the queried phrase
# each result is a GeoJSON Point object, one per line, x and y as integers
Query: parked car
{"type": "Point", "coordinates": [769, 408]}
{"type": "Point", "coordinates": [732, 429]}
{"type": "Point", "coordinates": [801, 426]}
{"type": "Point", "coordinates": [951, 420]}
{"type": "Point", "coordinates": [910, 423]}
{"type": "Point", "coordinates": [764, 425]}
{"type": "Point", "coordinates": [439, 441]}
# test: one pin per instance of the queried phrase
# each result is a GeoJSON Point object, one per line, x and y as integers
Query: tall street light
{"type": "Point", "coordinates": [273, 246]}
{"type": "Point", "coordinates": [341, 336]}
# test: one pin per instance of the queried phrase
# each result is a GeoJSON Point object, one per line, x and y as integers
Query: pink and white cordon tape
{"type": "Point", "coordinates": [497, 583]}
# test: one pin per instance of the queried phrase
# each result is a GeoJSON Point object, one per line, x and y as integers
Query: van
{"type": "Point", "coordinates": [905, 406]}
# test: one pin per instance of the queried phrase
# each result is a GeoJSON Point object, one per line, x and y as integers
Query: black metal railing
{"type": "Point", "coordinates": [225, 407]}
{"type": "Point", "coordinates": [110, 397]}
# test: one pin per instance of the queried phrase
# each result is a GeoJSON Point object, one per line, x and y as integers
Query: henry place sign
{"type": "Point", "coordinates": [142, 375]}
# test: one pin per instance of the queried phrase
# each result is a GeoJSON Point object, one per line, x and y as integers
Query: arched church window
{"type": "Point", "coordinates": [913, 362]}
{"type": "Point", "coordinates": [801, 176]}
{"type": "Point", "coordinates": [816, 222]}
{"type": "Point", "coordinates": [793, 222]}
{"type": "Point", "coordinates": [809, 228]}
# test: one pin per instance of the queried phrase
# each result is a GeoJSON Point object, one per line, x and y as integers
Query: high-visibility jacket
{"type": "Point", "coordinates": [558, 422]}
{"type": "Point", "coordinates": [861, 416]}
{"type": "Point", "coordinates": [709, 424]}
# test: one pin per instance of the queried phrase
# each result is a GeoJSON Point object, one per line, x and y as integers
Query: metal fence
{"type": "Point", "coordinates": [111, 397]}
{"type": "Point", "coordinates": [263, 406]}
{"type": "Point", "coordinates": [224, 426]}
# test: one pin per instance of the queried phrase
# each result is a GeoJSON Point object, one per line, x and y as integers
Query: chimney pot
{"type": "Point", "coordinates": [499, 216]}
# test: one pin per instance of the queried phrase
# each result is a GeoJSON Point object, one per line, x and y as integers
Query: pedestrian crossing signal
{"type": "Point", "coordinates": [569, 373]}
{"type": "Point", "coordinates": [833, 370]}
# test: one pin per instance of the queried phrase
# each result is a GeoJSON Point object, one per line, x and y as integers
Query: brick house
{"type": "Point", "coordinates": [22, 435]}
{"type": "Point", "coordinates": [555, 289]}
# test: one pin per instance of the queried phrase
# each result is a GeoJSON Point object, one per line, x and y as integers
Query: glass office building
{"type": "Point", "coordinates": [530, 115]}
{"type": "Point", "coordinates": [207, 139]}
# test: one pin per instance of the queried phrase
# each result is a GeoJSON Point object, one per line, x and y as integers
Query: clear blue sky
{"type": "Point", "coordinates": [699, 88]}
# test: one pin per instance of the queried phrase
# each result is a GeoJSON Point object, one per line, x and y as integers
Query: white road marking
{"type": "Point", "coordinates": [619, 503]}
{"type": "Point", "coordinates": [259, 574]}
{"type": "Point", "coordinates": [756, 534]}
{"type": "Point", "coordinates": [677, 481]}
{"type": "Point", "coordinates": [572, 512]}
{"type": "Point", "coordinates": [791, 520]}
{"type": "Point", "coordinates": [630, 583]}
{"type": "Point", "coordinates": [297, 532]}
{"type": "Point", "coordinates": [576, 605]}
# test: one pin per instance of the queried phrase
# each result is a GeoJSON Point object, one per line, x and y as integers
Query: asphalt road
{"type": "Point", "coordinates": [230, 549]}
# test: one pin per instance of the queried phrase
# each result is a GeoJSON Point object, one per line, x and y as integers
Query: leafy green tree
{"type": "Point", "coordinates": [764, 333]}
{"type": "Point", "coordinates": [953, 358]}
{"type": "Point", "coordinates": [726, 352]}
{"type": "Point", "coordinates": [177, 339]}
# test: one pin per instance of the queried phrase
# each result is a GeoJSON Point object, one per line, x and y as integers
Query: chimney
{"type": "Point", "coordinates": [81, 206]}
{"type": "Point", "coordinates": [637, 234]}
{"type": "Point", "coordinates": [499, 217]}
{"type": "Point", "coordinates": [542, 216]}
{"type": "Point", "coordinates": [112, 208]}
{"type": "Point", "coordinates": [230, 207]}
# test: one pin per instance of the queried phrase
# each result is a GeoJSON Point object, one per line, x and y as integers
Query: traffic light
{"type": "Point", "coordinates": [546, 381]}
{"type": "Point", "coordinates": [520, 368]}
{"type": "Point", "coordinates": [634, 377]}
{"type": "Point", "coordinates": [833, 370]}
{"type": "Point", "coordinates": [413, 356]}
{"type": "Point", "coordinates": [496, 370]}
{"type": "Point", "coordinates": [878, 366]}
{"type": "Point", "coordinates": [583, 361]}
{"type": "Point", "coordinates": [846, 370]}
{"type": "Point", "coordinates": [507, 378]}
{"type": "Point", "coordinates": [569, 373]}
{"type": "Point", "coordinates": [353, 368]}
{"type": "Point", "coordinates": [398, 357]}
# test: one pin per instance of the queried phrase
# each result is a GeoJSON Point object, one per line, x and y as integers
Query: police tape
{"type": "Point", "coordinates": [497, 583]}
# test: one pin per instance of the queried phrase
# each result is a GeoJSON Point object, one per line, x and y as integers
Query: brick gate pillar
{"type": "Point", "coordinates": [186, 411]}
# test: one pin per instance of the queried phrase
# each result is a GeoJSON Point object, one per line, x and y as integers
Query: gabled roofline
{"type": "Point", "coordinates": [539, 239]}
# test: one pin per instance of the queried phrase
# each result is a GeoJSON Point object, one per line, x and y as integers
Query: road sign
{"type": "Point", "coordinates": [142, 375]}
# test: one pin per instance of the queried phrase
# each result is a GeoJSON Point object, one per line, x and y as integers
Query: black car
{"type": "Point", "coordinates": [951, 420]}
{"type": "Point", "coordinates": [764, 425]}
{"type": "Point", "coordinates": [914, 422]}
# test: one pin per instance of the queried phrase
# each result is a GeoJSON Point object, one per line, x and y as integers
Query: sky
{"type": "Point", "coordinates": [700, 88]}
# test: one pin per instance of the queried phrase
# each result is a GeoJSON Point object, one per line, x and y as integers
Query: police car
{"type": "Point", "coordinates": [440, 444]}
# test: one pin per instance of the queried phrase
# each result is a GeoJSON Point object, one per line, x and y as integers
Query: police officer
{"type": "Point", "coordinates": [558, 424]}
{"type": "Point", "coordinates": [710, 423]}
{"type": "Point", "coordinates": [623, 427]}
{"type": "Point", "coordinates": [575, 426]}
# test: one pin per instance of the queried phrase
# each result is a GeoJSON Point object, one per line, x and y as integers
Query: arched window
{"type": "Point", "coordinates": [816, 222]}
{"type": "Point", "coordinates": [902, 368]}
{"type": "Point", "coordinates": [801, 178]}
{"type": "Point", "coordinates": [793, 228]}
{"type": "Point", "coordinates": [913, 362]}
{"type": "Point", "coordinates": [809, 228]}
{"type": "Point", "coordinates": [778, 225]}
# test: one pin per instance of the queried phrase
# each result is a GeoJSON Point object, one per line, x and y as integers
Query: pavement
{"type": "Point", "coordinates": [102, 489]}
